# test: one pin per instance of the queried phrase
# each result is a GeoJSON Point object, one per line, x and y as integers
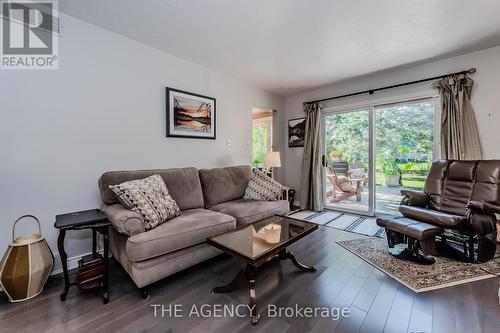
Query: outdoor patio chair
{"type": "Point", "coordinates": [340, 184]}
{"type": "Point", "coordinates": [357, 168]}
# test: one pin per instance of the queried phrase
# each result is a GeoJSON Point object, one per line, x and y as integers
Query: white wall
{"type": "Point", "coordinates": [104, 109]}
{"type": "Point", "coordinates": [485, 98]}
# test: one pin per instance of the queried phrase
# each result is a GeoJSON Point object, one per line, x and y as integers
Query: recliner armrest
{"type": "Point", "coordinates": [414, 198]}
{"type": "Point", "coordinates": [483, 222]}
{"type": "Point", "coordinates": [124, 220]}
{"type": "Point", "coordinates": [483, 207]}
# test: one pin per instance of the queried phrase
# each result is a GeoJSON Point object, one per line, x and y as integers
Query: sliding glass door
{"type": "Point", "coordinates": [405, 150]}
{"type": "Point", "coordinates": [372, 153]}
{"type": "Point", "coordinates": [348, 161]}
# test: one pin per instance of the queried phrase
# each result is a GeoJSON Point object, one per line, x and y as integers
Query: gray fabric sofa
{"type": "Point", "coordinates": [211, 203]}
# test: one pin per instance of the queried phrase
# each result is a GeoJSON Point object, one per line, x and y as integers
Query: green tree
{"type": "Point", "coordinates": [348, 133]}
{"type": "Point", "coordinates": [403, 133]}
{"type": "Point", "coordinates": [259, 144]}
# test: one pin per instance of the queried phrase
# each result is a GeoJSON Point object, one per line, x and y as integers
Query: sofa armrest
{"type": "Point", "coordinates": [483, 207]}
{"type": "Point", "coordinates": [414, 198]}
{"type": "Point", "coordinates": [124, 220]}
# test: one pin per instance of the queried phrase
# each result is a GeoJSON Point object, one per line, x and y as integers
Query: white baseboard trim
{"type": "Point", "coordinates": [72, 263]}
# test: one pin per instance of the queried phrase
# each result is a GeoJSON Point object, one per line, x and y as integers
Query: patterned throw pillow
{"type": "Point", "coordinates": [262, 187]}
{"type": "Point", "coordinates": [148, 197]}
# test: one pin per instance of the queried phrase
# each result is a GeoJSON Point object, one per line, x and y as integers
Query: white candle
{"type": "Point", "coordinates": [273, 233]}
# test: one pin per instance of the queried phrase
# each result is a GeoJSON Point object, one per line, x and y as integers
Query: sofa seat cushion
{"type": "Point", "coordinates": [192, 227]}
{"type": "Point", "coordinates": [435, 217]}
{"type": "Point", "coordinates": [249, 211]}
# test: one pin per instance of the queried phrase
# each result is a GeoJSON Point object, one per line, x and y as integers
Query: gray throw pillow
{"type": "Point", "coordinates": [262, 187]}
{"type": "Point", "coordinates": [148, 197]}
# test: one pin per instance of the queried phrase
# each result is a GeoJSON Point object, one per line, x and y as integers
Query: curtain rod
{"type": "Point", "coordinates": [371, 91]}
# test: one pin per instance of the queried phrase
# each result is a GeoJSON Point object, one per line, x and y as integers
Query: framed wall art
{"type": "Point", "coordinates": [190, 115]}
{"type": "Point", "coordinates": [296, 132]}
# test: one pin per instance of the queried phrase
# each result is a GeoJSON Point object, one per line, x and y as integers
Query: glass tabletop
{"type": "Point", "coordinates": [256, 239]}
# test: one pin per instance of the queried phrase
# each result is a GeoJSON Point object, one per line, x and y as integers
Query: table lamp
{"type": "Point", "coordinates": [271, 161]}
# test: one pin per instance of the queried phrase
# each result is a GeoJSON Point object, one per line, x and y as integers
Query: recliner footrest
{"type": "Point", "coordinates": [417, 235]}
{"type": "Point", "coordinates": [411, 228]}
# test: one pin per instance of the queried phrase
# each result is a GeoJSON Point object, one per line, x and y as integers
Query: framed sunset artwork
{"type": "Point", "coordinates": [190, 115]}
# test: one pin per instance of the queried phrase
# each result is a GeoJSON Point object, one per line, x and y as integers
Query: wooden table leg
{"type": "Point", "coordinates": [251, 274]}
{"type": "Point", "coordinates": [232, 285]}
{"type": "Point", "coordinates": [64, 263]}
{"type": "Point", "coordinates": [94, 242]}
{"type": "Point", "coordinates": [358, 190]}
{"type": "Point", "coordinates": [105, 284]}
{"type": "Point", "coordinates": [284, 254]}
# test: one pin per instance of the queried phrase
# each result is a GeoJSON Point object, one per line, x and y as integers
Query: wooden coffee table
{"type": "Point", "coordinates": [255, 251]}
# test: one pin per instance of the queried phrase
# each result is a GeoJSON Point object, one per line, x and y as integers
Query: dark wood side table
{"type": "Point", "coordinates": [95, 220]}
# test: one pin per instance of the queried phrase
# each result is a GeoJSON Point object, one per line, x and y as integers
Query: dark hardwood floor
{"type": "Point", "coordinates": [377, 302]}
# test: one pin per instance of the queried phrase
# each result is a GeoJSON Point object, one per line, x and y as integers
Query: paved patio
{"type": "Point", "coordinates": [387, 200]}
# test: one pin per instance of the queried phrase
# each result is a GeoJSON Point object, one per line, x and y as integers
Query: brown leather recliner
{"type": "Point", "coordinates": [462, 196]}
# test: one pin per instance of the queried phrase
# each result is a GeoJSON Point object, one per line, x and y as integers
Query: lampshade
{"type": "Point", "coordinates": [272, 159]}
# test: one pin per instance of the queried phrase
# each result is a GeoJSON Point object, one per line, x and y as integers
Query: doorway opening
{"type": "Point", "coordinates": [262, 135]}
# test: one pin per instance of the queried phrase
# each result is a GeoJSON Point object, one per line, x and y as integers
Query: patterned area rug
{"type": "Point", "coordinates": [419, 278]}
{"type": "Point", "coordinates": [352, 223]}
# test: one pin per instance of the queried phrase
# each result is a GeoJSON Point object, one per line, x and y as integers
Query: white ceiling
{"type": "Point", "coordinates": [289, 45]}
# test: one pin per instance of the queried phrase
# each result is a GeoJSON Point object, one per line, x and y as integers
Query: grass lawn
{"type": "Point", "coordinates": [409, 181]}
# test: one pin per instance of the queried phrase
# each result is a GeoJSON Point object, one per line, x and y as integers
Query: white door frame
{"type": "Point", "coordinates": [371, 151]}
{"type": "Point", "coordinates": [372, 105]}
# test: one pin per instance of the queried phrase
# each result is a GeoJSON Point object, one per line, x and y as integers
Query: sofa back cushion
{"type": "Point", "coordinates": [183, 184]}
{"type": "Point", "coordinates": [224, 184]}
{"type": "Point", "coordinates": [452, 184]}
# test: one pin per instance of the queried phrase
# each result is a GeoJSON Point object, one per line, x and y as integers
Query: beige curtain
{"type": "Point", "coordinates": [459, 133]}
{"type": "Point", "coordinates": [311, 194]}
